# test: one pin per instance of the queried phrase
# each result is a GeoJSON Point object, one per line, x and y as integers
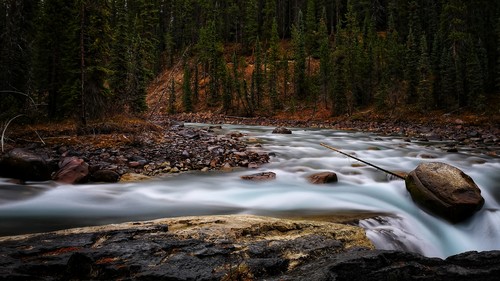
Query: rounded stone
{"type": "Point", "coordinates": [444, 190]}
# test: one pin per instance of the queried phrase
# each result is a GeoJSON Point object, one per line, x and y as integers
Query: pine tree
{"type": "Point", "coordinates": [187, 95]}
{"type": "Point", "coordinates": [145, 48]}
{"type": "Point", "coordinates": [53, 42]}
{"type": "Point", "coordinates": [424, 88]}
{"type": "Point", "coordinates": [274, 57]}
{"type": "Point", "coordinates": [411, 64]}
{"type": "Point", "coordinates": [325, 63]}
{"type": "Point", "coordinates": [251, 24]}
{"type": "Point", "coordinates": [310, 33]}
{"type": "Point", "coordinates": [474, 81]}
{"type": "Point", "coordinates": [227, 91]}
{"type": "Point", "coordinates": [269, 20]}
{"type": "Point", "coordinates": [211, 53]}
{"type": "Point", "coordinates": [453, 24]}
{"type": "Point", "coordinates": [257, 75]}
{"type": "Point", "coordinates": [172, 98]}
{"type": "Point", "coordinates": [448, 76]}
{"type": "Point", "coordinates": [352, 64]}
{"type": "Point", "coordinates": [299, 55]}
{"type": "Point", "coordinates": [237, 86]}
{"type": "Point", "coordinates": [97, 35]}
{"type": "Point", "coordinates": [120, 56]}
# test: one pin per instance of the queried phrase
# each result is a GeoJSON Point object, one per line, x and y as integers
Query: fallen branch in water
{"type": "Point", "coordinates": [362, 161]}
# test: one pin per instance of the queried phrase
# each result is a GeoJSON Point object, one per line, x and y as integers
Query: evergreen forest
{"type": "Point", "coordinates": [89, 59]}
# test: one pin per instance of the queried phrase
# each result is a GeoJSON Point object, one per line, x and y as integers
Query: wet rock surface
{"type": "Point", "coordinates": [188, 248]}
{"type": "Point", "coordinates": [264, 176]}
{"type": "Point", "coordinates": [444, 190]}
{"type": "Point", "coordinates": [238, 247]}
{"type": "Point", "coordinates": [381, 265]}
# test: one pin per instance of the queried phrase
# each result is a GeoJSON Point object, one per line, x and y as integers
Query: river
{"type": "Point", "coordinates": [397, 222]}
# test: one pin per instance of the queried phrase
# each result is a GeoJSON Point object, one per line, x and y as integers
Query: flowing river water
{"type": "Point", "coordinates": [396, 223]}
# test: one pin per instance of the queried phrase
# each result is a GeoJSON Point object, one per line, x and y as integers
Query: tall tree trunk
{"type": "Point", "coordinates": [82, 65]}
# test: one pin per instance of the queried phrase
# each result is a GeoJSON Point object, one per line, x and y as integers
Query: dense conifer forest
{"type": "Point", "coordinates": [93, 58]}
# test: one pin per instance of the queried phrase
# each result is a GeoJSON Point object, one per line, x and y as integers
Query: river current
{"type": "Point", "coordinates": [397, 222]}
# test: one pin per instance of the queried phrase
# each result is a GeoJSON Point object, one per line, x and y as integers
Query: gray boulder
{"type": "Point", "coordinates": [282, 130]}
{"type": "Point", "coordinates": [264, 176]}
{"type": "Point", "coordinates": [444, 190]}
{"type": "Point", "coordinates": [24, 165]}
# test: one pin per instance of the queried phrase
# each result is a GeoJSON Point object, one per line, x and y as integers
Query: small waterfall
{"type": "Point", "coordinates": [361, 189]}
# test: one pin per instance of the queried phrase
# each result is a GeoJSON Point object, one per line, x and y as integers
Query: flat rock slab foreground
{"type": "Point", "coordinates": [238, 247]}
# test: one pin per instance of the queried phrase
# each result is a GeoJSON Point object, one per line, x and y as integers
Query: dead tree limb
{"type": "Point", "coordinates": [362, 161]}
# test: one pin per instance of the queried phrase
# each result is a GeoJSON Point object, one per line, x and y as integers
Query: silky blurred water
{"type": "Point", "coordinates": [48, 206]}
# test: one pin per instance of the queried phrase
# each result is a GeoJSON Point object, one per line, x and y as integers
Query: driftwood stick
{"type": "Point", "coordinates": [362, 161]}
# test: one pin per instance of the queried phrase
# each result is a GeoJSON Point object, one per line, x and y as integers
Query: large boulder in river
{"type": "Point", "coordinates": [24, 165]}
{"type": "Point", "coordinates": [444, 190]}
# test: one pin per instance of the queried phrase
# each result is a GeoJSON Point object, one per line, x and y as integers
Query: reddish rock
{"type": "Point", "coordinates": [72, 170]}
{"type": "Point", "coordinates": [323, 177]}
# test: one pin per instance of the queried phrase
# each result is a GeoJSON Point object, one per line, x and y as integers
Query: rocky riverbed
{"type": "Point", "coordinates": [166, 146]}
{"type": "Point", "coordinates": [481, 134]}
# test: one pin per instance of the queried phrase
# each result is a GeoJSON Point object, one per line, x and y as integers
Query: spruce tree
{"type": "Point", "coordinates": [299, 56]}
{"type": "Point", "coordinates": [424, 88]}
{"type": "Point", "coordinates": [325, 63]}
{"type": "Point", "coordinates": [447, 97]}
{"type": "Point", "coordinates": [310, 32]}
{"type": "Point", "coordinates": [474, 81]}
{"type": "Point", "coordinates": [251, 23]}
{"type": "Point", "coordinates": [120, 56]}
{"type": "Point", "coordinates": [96, 35]}
{"type": "Point", "coordinates": [258, 76]}
{"type": "Point", "coordinates": [274, 57]}
{"type": "Point", "coordinates": [171, 98]}
{"type": "Point", "coordinates": [227, 91]}
{"type": "Point", "coordinates": [54, 45]}
{"type": "Point", "coordinates": [411, 64]}
{"type": "Point", "coordinates": [211, 53]}
{"type": "Point", "coordinates": [187, 95]}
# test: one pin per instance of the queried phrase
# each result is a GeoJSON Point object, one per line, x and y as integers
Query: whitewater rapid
{"type": "Point", "coordinates": [401, 224]}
